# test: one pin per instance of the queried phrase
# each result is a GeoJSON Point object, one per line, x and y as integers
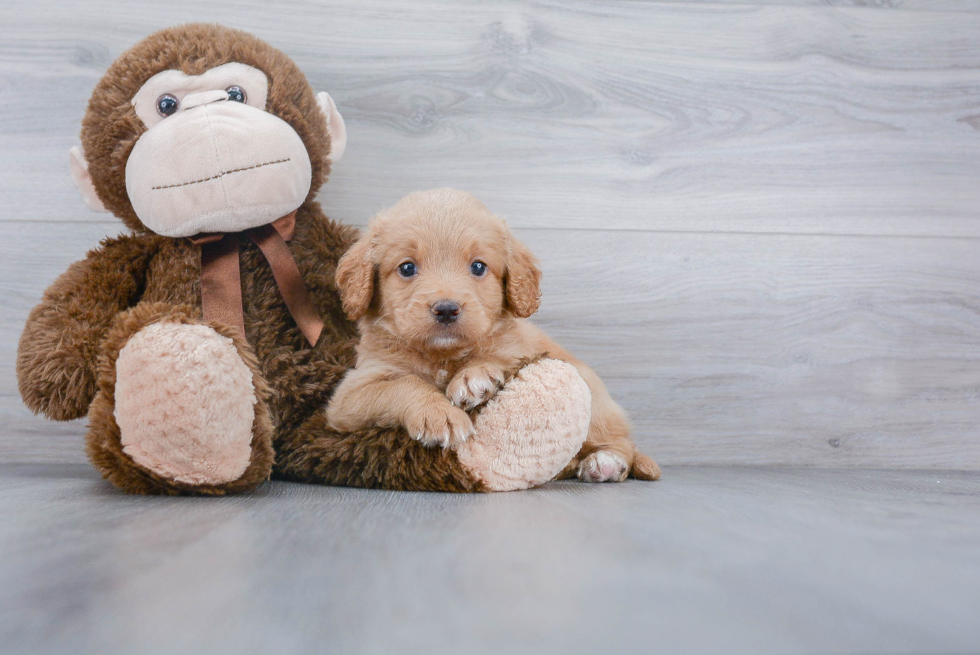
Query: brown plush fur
{"type": "Point", "coordinates": [67, 353]}
{"type": "Point", "coordinates": [416, 372]}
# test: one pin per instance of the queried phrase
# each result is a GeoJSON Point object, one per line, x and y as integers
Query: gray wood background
{"type": "Point", "coordinates": [759, 221]}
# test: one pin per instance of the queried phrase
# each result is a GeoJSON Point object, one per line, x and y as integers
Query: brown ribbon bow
{"type": "Point", "coordinates": [221, 283]}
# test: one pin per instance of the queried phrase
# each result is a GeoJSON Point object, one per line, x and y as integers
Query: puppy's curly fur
{"type": "Point", "coordinates": [441, 288]}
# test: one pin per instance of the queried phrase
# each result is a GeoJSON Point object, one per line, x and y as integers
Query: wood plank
{"type": "Point", "coordinates": [619, 115]}
{"type": "Point", "coordinates": [780, 561]}
{"type": "Point", "coordinates": [777, 349]}
{"type": "Point", "coordinates": [26, 438]}
{"type": "Point", "coordinates": [870, 5]}
{"type": "Point", "coordinates": [724, 348]}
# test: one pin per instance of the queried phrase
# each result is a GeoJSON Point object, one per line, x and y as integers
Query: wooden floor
{"type": "Point", "coordinates": [709, 560]}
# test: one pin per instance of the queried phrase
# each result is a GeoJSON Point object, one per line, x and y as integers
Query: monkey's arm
{"type": "Point", "coordinates": [58, 351]}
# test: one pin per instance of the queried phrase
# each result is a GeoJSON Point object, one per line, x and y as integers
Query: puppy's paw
{"type": "Point", "coordinates": [603, 466]}
{"type": "Point", "coordinates": [439, 425]}
{"type": "Point", "coordinates": [475, 385]}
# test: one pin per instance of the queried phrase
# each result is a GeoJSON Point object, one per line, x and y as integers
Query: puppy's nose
{"type": "Point", "coordinates": [446, 311]}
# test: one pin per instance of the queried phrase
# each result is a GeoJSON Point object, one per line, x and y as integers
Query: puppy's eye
{"type": "Point", "coordinates": [236, 93]}
{"type": "Point", "coordinates": [408, 269]}
{"type": "Point", "coordinates": [478, 269]}
{"type": "Point", "coordinates": [167, 105]}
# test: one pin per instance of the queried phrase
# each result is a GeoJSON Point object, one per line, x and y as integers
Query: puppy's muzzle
{"type": "Point", "coordinates": [445, 311]}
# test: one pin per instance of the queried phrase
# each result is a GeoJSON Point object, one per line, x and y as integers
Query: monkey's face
{"type": "Point", "coordinates": [182, 139]}
{"type": "Point", "coordinates": [212, 159]}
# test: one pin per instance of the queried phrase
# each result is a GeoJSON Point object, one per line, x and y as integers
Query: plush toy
{"type": "Point", "coordinates": [204, 345]}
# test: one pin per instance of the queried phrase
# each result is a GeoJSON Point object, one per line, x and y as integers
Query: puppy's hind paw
{"type": "Point", "coordinates": [475, 385]}
{"type": "Point", "coordinates": [603, 466]}
{"type": "Point", "coordinates": [438, 425]}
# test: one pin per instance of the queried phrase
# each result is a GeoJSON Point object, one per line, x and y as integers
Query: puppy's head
{"type": "Point", "coordinates": [438, 270]}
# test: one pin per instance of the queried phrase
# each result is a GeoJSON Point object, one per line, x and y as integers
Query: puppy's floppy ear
{"type": "Point", "coordinates": [522, 281]}
{"type": "Point", "coordinates": [355, 278]}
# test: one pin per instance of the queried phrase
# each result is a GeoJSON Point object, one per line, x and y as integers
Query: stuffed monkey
{"type": "Point", "coordinates": [204, 344]}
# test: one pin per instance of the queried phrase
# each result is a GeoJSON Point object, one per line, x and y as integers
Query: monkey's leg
{"type": "Point", "coordinates": [381, 458]}
{"type": "Point", "coordinates": [180, 407]}
{"type": "Point", "coordinates": [525, 435]}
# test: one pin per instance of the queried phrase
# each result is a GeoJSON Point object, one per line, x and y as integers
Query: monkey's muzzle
{"type": "Point", "coordinates": [218, 167]}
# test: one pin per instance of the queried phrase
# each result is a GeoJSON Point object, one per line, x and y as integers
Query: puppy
{"type": "Point", "coordinates": [441, 289]}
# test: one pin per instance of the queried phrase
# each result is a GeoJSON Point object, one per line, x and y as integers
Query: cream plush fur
{"type": "Point", "coordinates": [225, 181]}
{"type": "Point", "coordinates": [528, 445]}
{"type": "Point", "coordinates": [251, 80]}
{"type": "Point", "coordinates": [204, 441]}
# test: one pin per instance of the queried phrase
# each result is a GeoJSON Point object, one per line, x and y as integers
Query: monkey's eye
{"type": "Point", "coordinates": [408, 269]}
{"type": "Point", "coordinates": [478, 268]}
{"type": "Point", "coordinates": [167, 105]}
{"type": "Point", "coordinates": [236, 93]}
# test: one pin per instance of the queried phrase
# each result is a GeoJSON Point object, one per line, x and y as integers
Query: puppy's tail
{"type": "Point", "coordinates": [644, 468]}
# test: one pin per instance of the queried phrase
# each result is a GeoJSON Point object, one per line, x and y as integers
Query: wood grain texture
{"type": "Point", "coordinates": [640, 115]}
{"type": "Point", "coordinates": [823, 351]}
{"type": "Point", "coordinates": [758, 221]}
{"type": "Point", "coordinates": [888, 5]}
{"type": "Point", "coordinates": [734, 560]}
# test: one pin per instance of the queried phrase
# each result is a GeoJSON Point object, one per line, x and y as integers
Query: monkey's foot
{"type": "Point", "coordinates": [530, 429]}
{"type": "Point", "coordinates": [180, 407]}
{"type": "Point", "coordinates": [185, 403]}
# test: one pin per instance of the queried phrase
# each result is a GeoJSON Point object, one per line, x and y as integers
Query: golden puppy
{"type": "Point", "coordinates": [440, 288]}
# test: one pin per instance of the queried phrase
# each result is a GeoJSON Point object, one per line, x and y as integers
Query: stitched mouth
{"type": "Point", "coordinates": [222, 174]}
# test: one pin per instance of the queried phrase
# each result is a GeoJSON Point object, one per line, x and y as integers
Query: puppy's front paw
{"type": "Point", "coordinates": [439, 424]}
{"type": "Point", "coordinates": [603, 466]}
{"type": "Point", "coordinates": [475, 385]}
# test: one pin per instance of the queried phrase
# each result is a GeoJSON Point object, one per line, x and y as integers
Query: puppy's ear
{"type": "Point", "coordinates": [355, 278]}
{"type": "Point", "coordinates": [523, 280]}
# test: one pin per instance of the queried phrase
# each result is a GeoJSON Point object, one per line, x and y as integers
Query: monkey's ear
{"type": "Point", "coordinates": [355, 278]}
{"type": "Point", "coordinates": [83, 181]}
{"type": "Point", "coordinates": [523, 280]}
{"type": "Point", "coordinates": [335, 125]}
